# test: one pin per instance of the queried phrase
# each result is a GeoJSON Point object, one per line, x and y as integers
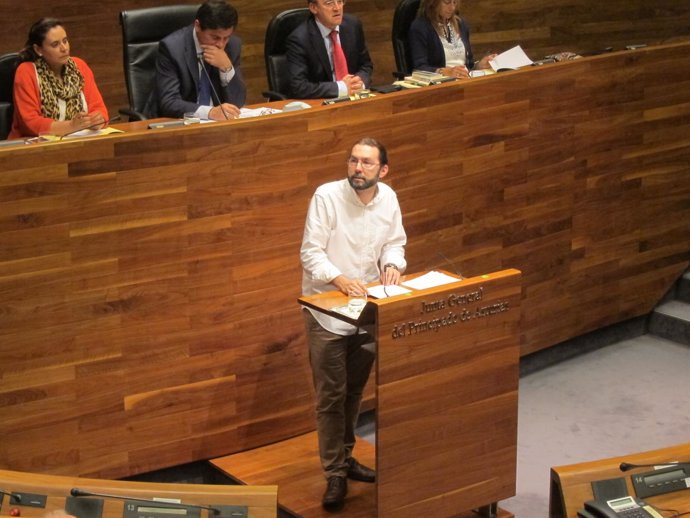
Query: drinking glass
{"type": "Point", "coordinates": [357, 299]}
{"type": "Point", "coordinates": [191, 118]}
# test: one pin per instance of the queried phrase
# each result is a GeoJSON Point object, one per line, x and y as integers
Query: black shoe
{"type": "Point", "coordinates": [357, 471]}
{"type": "Point", "coordinates": [334, 497]}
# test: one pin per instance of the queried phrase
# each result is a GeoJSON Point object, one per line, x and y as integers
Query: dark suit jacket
{"type": "Point", "coordinates": [426, 50]}
{"type": "Point", "coordinates": [311, 75]}
{"type": "Point", "coordinates": [177, 75]}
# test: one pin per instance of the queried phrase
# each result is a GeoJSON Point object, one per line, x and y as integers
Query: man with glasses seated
{"type": "Point", "coordinates": [353, 235]}
{"type": "Point", "coordinates": [327, 54]}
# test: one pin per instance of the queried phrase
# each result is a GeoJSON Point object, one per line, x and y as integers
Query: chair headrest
{"type": "Point", "coordinates": [155, 23]}
{"type": "Point", "coordinates": [8, 66]}
{"type": "Point", "coordinates": [280, 27]}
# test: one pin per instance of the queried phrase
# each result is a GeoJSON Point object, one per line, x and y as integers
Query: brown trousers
{"type": "Point", "coordinates": [340, 368]}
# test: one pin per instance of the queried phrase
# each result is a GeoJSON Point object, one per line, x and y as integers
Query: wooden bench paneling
{"type": "Point", "coordinates": [148, 281]}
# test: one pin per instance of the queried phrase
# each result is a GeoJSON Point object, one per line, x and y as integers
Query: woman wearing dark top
{"type": "Point", "coordinates": [54, 92]}
{"type": "Point", "coordinates": [439, 40]}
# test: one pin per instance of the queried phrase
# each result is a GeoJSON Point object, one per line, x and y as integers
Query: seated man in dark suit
{"type": "Point", "coordinates": [327, 55]}
{"type": "Point", "coordinates": [182, 85]}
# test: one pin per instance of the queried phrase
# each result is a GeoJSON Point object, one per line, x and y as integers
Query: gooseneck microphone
{"type": "Point", "coordinates": [202, 64]}
{"type": "Point", "coordinates": [76, 492]}
{"type": "Point", "coordinates": [17, 498]}
{"type": "Point", "coordinates": [626, 466]}
{"type": "Point", "coordinates": [450, 263]}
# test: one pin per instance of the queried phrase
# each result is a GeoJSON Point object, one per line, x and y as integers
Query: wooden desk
{"type": "Point", "coordinates": [571, 485]}
{"type": "Point", "coordinates": [148, 279]}
{"type": "Point", "coordinates": [258, 501]}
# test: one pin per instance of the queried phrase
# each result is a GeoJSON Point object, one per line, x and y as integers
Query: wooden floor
{"type": "Point", "coordinates": [293, 465]}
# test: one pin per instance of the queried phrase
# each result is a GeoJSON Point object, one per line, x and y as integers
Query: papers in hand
{"type": "Point", "coordinates": [512, 58]}
{"type": "Point", "coordinates": [381, 291]}
{"type": "Point", "coordinates": [430, 280]}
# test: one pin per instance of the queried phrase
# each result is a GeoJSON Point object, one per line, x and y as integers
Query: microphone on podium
{"type": "Point", "coordinates": [76, 492]}
{"type": "Point", "coordinates": [450, 263]}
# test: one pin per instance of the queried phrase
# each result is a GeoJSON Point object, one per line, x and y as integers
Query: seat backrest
{"type": "Point", "coordinates": [142, 29]}
{"type": "Point", "coordinates": [405, 12]}
{"type": "Point", "coordinates": [277, 31]}
{"type": "Point", "coordinates": [8, 66]}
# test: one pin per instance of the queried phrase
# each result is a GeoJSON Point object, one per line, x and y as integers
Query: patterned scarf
{"type": "Point", "coordinates": [54, 90]}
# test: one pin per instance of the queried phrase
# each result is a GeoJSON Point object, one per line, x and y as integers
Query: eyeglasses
{"type": "Point", "coordinates": [332, 3]}
{"type": "Point", "coordinates": [366, 163]}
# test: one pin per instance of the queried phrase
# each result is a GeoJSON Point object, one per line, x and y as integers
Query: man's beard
{"type": "Point", "coordinates": [366, 184]}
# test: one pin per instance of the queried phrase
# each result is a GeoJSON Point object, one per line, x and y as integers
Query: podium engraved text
{"type": "Point", "coordinates": [451, 310]}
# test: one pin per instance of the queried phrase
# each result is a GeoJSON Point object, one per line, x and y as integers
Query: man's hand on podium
{"type": "Point", "coordinates": [346, 285]}
{"type": "Point", "coordinates": [390, 275]}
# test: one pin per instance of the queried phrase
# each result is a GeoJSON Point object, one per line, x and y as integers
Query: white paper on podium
{"type": "Point", "coordinates": [512, 58]}
{"type": "Point", "coordinates": [430, 280]}
{"type": "Point", "coordinates": [381, 291]}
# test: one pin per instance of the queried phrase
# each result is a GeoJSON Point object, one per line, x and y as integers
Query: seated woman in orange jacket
{"type": "Point", "coordinates": [53, 92]}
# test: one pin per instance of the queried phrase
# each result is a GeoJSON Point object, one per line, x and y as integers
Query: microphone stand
{"type": "Point", "coordinates": [200, 58]}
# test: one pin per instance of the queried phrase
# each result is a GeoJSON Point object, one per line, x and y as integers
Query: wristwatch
{"type": "Point", "coordinates": [390, 265]}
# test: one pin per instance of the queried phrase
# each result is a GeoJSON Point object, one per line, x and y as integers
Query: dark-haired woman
{"type": "Point", "coordinates": [54, 92]}
{"type": "Point", "coordinates": [439, 40]}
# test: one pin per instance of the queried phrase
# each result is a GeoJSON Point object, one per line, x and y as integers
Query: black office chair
{"type": "Point", "coordinates": [8, 66]}
{"type": "Point", "coordinates": [405, 12]}
{"type": "Point", "coordinates": [277, 31]}
{"type": "Point", "coordinates": [142, 29]}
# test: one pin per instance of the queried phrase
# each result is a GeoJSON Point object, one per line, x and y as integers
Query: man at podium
{"type": "Point", "coordinates": [353, 235]}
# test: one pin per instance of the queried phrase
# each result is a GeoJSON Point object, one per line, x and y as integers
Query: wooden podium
{"type": "Point", "coordinates": [446, 393]}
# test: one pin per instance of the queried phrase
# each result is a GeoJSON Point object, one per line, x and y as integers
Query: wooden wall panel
{"type": "Point", "coordinates": [541, 27]}
{"type": "Point", "coordinates": [148, 280]}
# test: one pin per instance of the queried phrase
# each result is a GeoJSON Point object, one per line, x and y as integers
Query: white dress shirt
{"type": "Point", "coordinates": [344, 236]}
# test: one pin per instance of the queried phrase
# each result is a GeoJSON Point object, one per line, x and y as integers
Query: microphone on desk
{"type": "Point", "coordinates": [76, 492]}
{"type": "Point", "coordinates": [17, 498]}
{"type": "Point", "coordinates": [626, 466]}
{"type": "Point", "coordinates": [202, 63]}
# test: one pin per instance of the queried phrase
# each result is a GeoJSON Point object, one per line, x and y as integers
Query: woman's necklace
{"type": "Point", "coordinates": [447, 29]}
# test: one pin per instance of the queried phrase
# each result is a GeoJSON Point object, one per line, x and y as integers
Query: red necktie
{"type": "Point", "coordinates": [339, 62]}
